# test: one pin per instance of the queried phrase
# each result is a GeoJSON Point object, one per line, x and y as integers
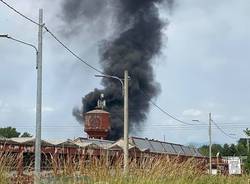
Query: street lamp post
{"type": "Point", "coordinates": [125, 95]}
{"type": "Point", "coordinates": [210, 144]}
{"type": "Point", "coordinates": [210, 141]}
{"type": "Point", "coordinates": [38, 112]}
{"type": "Point", "coordinates": [39, 93]}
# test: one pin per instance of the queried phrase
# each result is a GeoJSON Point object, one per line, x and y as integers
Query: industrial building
{"type": "Point", "coordinates": [97, 126]}
{"type": "Point", "coordinates": [86, 148]}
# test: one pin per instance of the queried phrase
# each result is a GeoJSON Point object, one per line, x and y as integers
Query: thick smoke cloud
{"type": "Point", "coordinates": [138, 41]}
{"type": "Point", "coordinates": [80, 15]}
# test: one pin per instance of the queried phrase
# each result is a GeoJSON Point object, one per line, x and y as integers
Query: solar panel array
{"type": "Point", "coordinates": [155, 146]}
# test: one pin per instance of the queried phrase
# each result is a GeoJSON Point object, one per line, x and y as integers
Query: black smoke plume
{"type": "Point", "coordinates": [138, 41]}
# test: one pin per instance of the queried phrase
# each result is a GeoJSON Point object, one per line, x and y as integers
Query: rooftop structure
{"type": "Point", "coordinates": [97, 121]}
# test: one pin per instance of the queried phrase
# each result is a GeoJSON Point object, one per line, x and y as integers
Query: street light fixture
{"type": "Point", "coordinates": [39, 93]}
{"type": "Point", "coordinates": [38, 107]}
{"type": "Point", "coordinates": [113, 77]}
{"type": "Point", "coordinates": [124, 83]}
{"type": "Point", "coordinates": [20, 41]}
{"type": "Point", "coordinates": [210, 141]}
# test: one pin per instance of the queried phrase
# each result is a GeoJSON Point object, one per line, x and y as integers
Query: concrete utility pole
{"type": "Point", "coordinates": [210, 145]}
{"type": "Point", "coordinates": [125, 121]}
{"type": "Point", "coordinates": [125, 109]}
{"type": "Point", "coordinates": [247, 145]}
{"type": "Point", "coordinates": [39, 100]}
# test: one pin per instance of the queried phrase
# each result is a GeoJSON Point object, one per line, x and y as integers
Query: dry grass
{"type": "Point", "coordinates": [150, 171]}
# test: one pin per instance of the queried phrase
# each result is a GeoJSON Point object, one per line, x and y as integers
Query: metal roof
{"type": "Point", "coordinates": [23, 139]}
{"type": "Point", "coordinates": [97, 111]}
{"type": "Point", "coordinates": [100, 142]}
{"type": "Point", "coordinates": [86, 144]}
{"type": "Point", "coordinates": [155, 146]}
{"type": "Point", "coordinates": [62, 142]}
{"type": "Point", "coordinates": [143, 145]}
{"type": "Point", "coordinates": [120, 144]}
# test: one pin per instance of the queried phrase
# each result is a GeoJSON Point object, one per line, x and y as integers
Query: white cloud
{"type": "Point", "coordinates": [192, 112]}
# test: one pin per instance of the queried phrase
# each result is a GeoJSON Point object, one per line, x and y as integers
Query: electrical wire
{"type": "Point", "coordinates": [165, 112]}
{"type": "Point", "coordinates": [99, 71]}
{"type": "Point", "coordinates": [19, 13]}
{"type": "Point", "coordinates": [53, 35]}
{"type": "Point", "coordinates": [222, 130]}
{"type": "Point", "coordinates": [73, 53]}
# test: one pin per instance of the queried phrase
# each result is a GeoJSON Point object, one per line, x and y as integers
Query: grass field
{"type": "Point", "coordinates": [151, 171]}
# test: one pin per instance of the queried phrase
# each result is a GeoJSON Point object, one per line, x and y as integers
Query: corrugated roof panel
{"type": "Point", "coordinates": [169, 148]}
{"type": "Point", "coordinates": [178, 149]}
{"type": "Point", "coordinates": [23, 139]}
{"type": "Point", "coordinates": [102, 143]}
{"type": "Point", "coordinates": [55, 141]}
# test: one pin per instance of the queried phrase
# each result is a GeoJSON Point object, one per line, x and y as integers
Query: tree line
{"type": "Point", "coordinates": [241, 148]}
{"type": "Point", "coordinates": [9, 132]}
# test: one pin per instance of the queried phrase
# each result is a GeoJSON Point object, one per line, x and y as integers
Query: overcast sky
{"type": "Point", "coordinates": [203, 67]}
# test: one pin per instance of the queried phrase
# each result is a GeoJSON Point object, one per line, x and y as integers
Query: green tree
{"type": "Point", "coordinates": [247, 163]}
{"type": "Point", "coordinates": [9, 132]}
{"type": "Point", "coordinates": [204, 150]}
{"type": "Point", "coordinates": [26, 134]}
{"type": "Point", "coordinates": [233, 150]}
{"type": "Point", "coordinates": [226, 150]}
{"type": "Point", "coordinates": [247, 132]}
{"type": "Point", "coordinates": [242, 147]}
{"type": "Point", "coordinates": [216, 148]}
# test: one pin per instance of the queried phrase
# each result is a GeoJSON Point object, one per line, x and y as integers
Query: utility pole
{"type": "Point", "coordinates": [210, 145]}
{"type": "Point", "coordinates": [124, 83]}
{"type": "Point", "coordinates": [125, 122]}
{"type": "Point", "coordinates": [39, 101]}
{"type": "Point", "coordinates": [247, 145]}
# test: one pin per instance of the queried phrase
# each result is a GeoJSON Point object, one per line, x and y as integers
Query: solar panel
{"type": "Point", "coordinates": [169, 148]}
{"type": "Point", "coordinates": [187, 151]}
{"type": "Point", "coordinates": [142, 144]}
{"type": "Point", "coordinates": [178, 149]}
{"type": "Point", "coordinates": [157, 146]}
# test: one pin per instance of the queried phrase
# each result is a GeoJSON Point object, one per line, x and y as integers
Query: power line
{"type": "Point", "coordinates": [34, 22]}
{"type": "Point", "coordinates": [53, 35]}
{"type": "Point", "coordinates": [222, 130]}
{"type": "Point", "coordinates": [86, 63]}
{"type": "Point", "coordinates": [73, 53]}
{"type": "Point", "coordinates": [168, 114]}
{"type": "Point", "coordinates": [165, 112]}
